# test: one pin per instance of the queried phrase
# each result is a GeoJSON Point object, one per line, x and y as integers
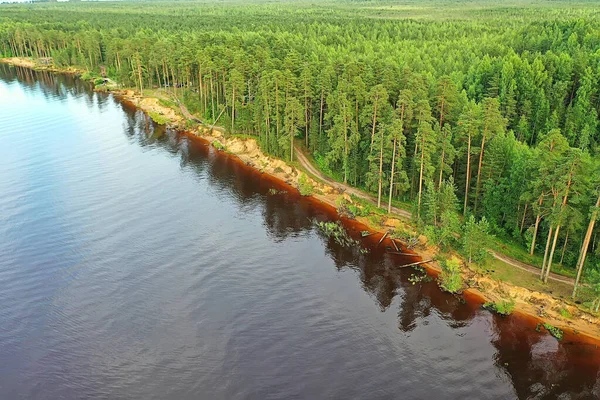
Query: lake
{"type": "Point", "coordinates": [139, 263]}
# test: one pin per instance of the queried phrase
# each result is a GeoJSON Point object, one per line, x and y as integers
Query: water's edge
{"type": "Point", "coordinates": [574, 331]}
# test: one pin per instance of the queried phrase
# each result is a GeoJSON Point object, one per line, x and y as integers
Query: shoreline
{"type": "Point", "coordinates": [582, 327]}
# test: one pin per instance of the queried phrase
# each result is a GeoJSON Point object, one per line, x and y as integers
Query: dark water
{"type": "Point", "coordinates": [138, 264]}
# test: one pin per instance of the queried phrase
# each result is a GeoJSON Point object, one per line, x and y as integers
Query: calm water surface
{"type": "Point", "coordinates": [136, 263]}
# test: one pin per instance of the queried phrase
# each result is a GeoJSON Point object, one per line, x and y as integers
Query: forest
{"type": "Point", "coordinates": [469, 111]}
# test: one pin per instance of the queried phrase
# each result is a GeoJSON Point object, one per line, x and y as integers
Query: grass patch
{"type": "Point", "coordinates": [158, 118]}
{"type": "Point", "coordinates": [502, 307]}
{"type": "Point", "coordinates": [167, 103]}
{"type": "Point", "coordinates": [565, 313]}
{"type": "Point", "coordinates": [518, 252]}
{"type": "Point", "coordinates": [219, 146]}
{"type": "Point", "coordinates": [498, 269]}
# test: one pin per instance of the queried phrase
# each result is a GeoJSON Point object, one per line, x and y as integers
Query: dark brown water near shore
{"type": "Point", "coordinates": [136, 262]}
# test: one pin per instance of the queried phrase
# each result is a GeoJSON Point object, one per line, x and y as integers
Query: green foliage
{"type": "Point", "coordinates": [473, 106]}
{"type": "Point", "coordinates": [502, 307]}
{"type": "Point", "coordinates": [304, 186]}
{"type": "Point", "coordinates": [439, 213]}
{"type": "Point", "coordinates": [336, 231]}
{"type": "Point", "coordinates": [554, 331]}
{"type": "Point", "coordinates": [451, 279]}
{"type": "Point", "coordinates": [475, 239]}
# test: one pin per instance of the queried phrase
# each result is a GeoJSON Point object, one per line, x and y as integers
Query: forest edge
{"type": "Point", "coordinates": [481, 288]}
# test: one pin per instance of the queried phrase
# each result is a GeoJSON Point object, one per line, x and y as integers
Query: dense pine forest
{"type": "Point", "coordinates": [467, 111]}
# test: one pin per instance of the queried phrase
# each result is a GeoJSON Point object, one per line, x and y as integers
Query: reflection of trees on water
{"type": "Point", "coordinates": [538, 365]}
{"type": "Point", "coordinates": [54, 86]}
{"type": "Point", "coordinates": [518, 350]}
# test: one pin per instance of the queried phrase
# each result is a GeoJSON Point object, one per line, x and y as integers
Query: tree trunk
{"type": "Point", "coordinates": [468, 178]}
{"type": "Point", "coordinates": [276, 109]}
{"type": "Point", "coordinates": [392, 176]}
{"type": "Point", "coordinates": [291, 143]}
{"type": "Point", "coordinates": [551, 257]}
{"type": "Point", "coordinates": [345, 145]}
{"type": "Point", "coordinates": [212, 97]}
{"type": "Point", "coordinates": [585, 246]}
{"type": "Point", "coordinates": [441, 169]}
{"type": "Point", "coordinates": [306, 118]}
{"type": "Point", "coordinates": [200, 88]}
{"type": "Point", "coordinates": [523, 219]}
{"type": "Point", "coordinates": [546, 252]}
{"type": "Point", "coordinates": [412, 174]}
{"type": "Point", "coordinates": [139, 71]}
{"type": "Point", "coordinates": [421, 176]}
{"type": "Point", "coordinates": [380, 171]}
{"type": "Point", "coordinates": [232, 108]}
{"type": "Point", "coordinates": [373, 130]}
{"type": "Point", "coordinates": [564, 249]}
{"type": "Point", "coordinates": [538, 218]}
{"type": "Point", "coordinates": [478, 187]}
{"type": "Point", "coordinates": [321, 113]}
{"type": "Point", "coordinates": [562, 207]}
{"type": "Point", "coordinates": [394, 160]}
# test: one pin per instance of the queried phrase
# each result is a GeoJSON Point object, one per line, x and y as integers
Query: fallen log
{"type": "Point", "coordinates": [395, 245]}
{"type": "Point", "coordinates": [399, 253]}
{"type": "Point", "coordinates": [414, 264]}
{"type": "Point", "coordinates": [382, 238]}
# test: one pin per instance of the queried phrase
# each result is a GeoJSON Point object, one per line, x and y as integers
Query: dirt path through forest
{"type": "Point", "coordinates": [303, 160]}
{"type": "Point", "coordinates": [346, 188]}
{"type": "Point", "coordinates": [530, 268]}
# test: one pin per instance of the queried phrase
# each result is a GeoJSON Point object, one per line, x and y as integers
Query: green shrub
{"type": "Point", "coordinates": [565, 313]}
{"type": "Point", "coordinates": [304, 186]}
{"type": "Point", "coordinates": [450, 279]}
{"type": "Point", "coordinates": [166, 103]}
{"type": "Point", "coordinates": [502, 307]}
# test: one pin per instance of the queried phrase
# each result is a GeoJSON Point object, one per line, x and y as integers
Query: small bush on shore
{"type": "Point", "coordinates": [450, 279]}
{"type": "Point", "coordinates": [304, 186]}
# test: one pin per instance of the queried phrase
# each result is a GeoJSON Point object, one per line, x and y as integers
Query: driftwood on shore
{"type": "Point", "coordinates": [414, 264]}
{"type": "Point", "coordinates": [382, 238]}
{"type": "Point", "coordinates": [399, 253]}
